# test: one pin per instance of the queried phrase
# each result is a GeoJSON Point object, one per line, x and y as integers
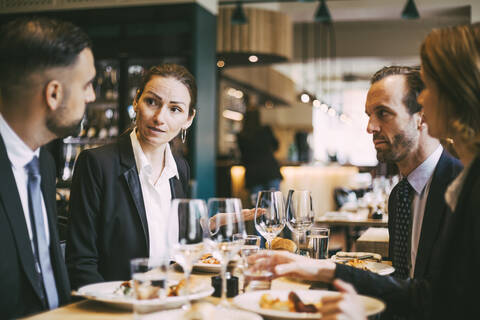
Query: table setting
{"type": "Point", "coordinates": [208, 273]}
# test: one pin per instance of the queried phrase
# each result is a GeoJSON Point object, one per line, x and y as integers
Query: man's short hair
{"type": "Point", "coordinates": [414, 83]}
{"type": "Point", "coordinates": [31, 45]}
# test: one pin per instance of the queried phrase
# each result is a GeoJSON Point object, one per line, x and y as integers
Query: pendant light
{"type": "Point", "coordinates": [410, 11]}
{"type": "Point", "coordinates": [238, 15]}
{"type": "Point", "coordinates": [323, 14]}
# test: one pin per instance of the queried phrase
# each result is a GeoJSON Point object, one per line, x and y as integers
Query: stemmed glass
{"type": "Point", "coordinates": [226, 220]}
{"type": "Point", "coordinates": [299, 213]}
{"type": "Point", "coordinates": [192, 216]}
{"type": "Point", "coordinates": [269, 215]}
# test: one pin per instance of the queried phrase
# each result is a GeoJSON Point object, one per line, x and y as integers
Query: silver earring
{"type": "Point", "coordinates": [183, 134]}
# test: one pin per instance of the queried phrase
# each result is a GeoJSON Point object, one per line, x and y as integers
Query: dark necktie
{"type": "Point", "coordinates": [401, 250]}
{"type": "Point", "coordinates": [41, 249]}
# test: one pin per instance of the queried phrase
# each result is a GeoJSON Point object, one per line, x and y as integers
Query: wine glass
{"type": "Point", "coordinates": [299, 213]}
{"type": "Point", "coordinates": [269, 215]}
{"type": "Point", "coordinates": [192, 217]}
{"type": "Point", "coordinates": [226, 220]}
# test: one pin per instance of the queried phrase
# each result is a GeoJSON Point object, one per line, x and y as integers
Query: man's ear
{"type": "Point", "coordinates": [421, 123]}
{"type": "Point", "coordinates": [53, 94]}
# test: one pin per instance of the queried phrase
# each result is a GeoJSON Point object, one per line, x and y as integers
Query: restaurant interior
{"type": "Point", "coordinates": [303, 65]}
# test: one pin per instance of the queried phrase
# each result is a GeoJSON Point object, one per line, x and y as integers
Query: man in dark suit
{"type": "Point", "coordinates": [400, 136]}
{"type": "Point", "coordinates": [416, 205]}
{"type": "Point", "coordinates": [47, 72]}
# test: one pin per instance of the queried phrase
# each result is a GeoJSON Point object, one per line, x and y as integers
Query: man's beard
{"type": "Point", "coordinates": [397, 150]}
{"type": "Point", "coordinates": [54, 122]}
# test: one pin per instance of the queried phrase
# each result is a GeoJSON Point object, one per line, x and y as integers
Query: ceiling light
{"type": "Point", "coordinates": [253, 58]}
{"type": "Point", "coordinates": [238, 15]}
{"type": "Point", "coordinates": [332, 112]}
{"type": "Point", "coordinates": [220, 63]}
{"type": "Point", "coordinates": [233, 115]}
{"type": "Point", "coordinates": [305, 97]}
{"type": "Point", "coordinates": [410, 11]}
{"type": "Point", "coordinates": [323, 14]}
{"type": "Point", "coordinates": [324, 107]}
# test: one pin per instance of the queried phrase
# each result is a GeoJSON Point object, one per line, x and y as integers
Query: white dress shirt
{"type": "Point", "coordinates": [19, 155]}
{"type": "Point", "coordinates": [420, 179]}
{"type": "Point", "coordinates": [157, 197]}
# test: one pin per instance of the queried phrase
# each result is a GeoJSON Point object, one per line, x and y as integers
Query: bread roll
{"type": "Point", "coordinates": [284, 244]}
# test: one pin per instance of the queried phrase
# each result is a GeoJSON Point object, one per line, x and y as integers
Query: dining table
{"type": "Point", "coordinates": [350, 222]}
{"type": "Point", "coordinates": [94, 310]}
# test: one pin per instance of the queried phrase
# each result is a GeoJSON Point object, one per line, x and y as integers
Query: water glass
{"type": "Point", "coordinates": [299, 214]}
{"type": "Point", "coordinates": [149, 282]}
{"type": "Point", "coordinates": [318, 242]}
{"type": "Point", "coordinates": [257, 278]}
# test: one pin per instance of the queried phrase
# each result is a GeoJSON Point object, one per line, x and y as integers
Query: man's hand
{"type": "Point", "coordinates": [282, 263]}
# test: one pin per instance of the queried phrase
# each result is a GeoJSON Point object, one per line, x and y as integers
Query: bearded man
{"type": "Point", "coordinates": [47, 70]}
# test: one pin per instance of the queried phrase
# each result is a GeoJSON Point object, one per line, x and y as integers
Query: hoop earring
{"type": "Point", "coordinates": [183, 134]}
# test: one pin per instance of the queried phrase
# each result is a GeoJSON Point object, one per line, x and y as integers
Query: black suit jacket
{"type": "Point", "coordinates": [108, 223]}
{"type": "Point", "coordinates": [412, 296]}
{"type": "Point", "coordinates": [446, 170]}
{"type": "Point", "coordinates": [456, 289]}
{"type": "Point", "coordinates": [20, 289]}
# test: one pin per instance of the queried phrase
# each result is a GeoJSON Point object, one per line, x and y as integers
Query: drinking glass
{"type": "Point", "coordinates": [299, 213]}
{"type": "Point", "coordinates": [269, 215]}
{"type": "Point", "coordinates": [226, 220]}
{"type": "Point", "coordinates": [251, 246]}
{"type": "Point", "coordinates": [192, 216]}
{"type": "Point", "coordinates": [149, 282]}
{"type": "Point", "coordinates": [318, 242]}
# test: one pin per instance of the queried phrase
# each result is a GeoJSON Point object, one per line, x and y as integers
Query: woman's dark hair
{"type": "Point", "coordinates": [177, 72]}
{"type": "Point", "coordinates": [31, 45]}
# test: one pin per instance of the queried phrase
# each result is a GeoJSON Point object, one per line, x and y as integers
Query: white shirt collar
{"type": "Point", "coordinates": [18, 152]}
{"type": "Point", "coordinates": [419, 177]}
{"type": "Point", "coordinates": [143, 164]}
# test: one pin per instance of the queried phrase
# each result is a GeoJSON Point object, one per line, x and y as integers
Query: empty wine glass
{"type": "Point", "coordinates": [226, 220]}
{"type": "Point", "coordinates": [269, 215]}
{"type": "Point", "coordinates": [192, 217]}
{"type": "Point", "coordinates": [299, 214]}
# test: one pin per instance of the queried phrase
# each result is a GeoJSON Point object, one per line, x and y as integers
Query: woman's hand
{"type": "Point", "coordinates": [220, 219]}
{"type": "Point", "coordinates": [282, 263]}
{"type": "Point", "coordinates": [347, 305]}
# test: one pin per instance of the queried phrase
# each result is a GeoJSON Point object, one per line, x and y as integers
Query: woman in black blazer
{"type": "Point", "coordinates": [119, 190]}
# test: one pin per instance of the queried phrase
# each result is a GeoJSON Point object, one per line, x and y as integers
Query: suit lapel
{"type": "Point", "coordinates": [177, 192]}
{"type": "Point", "coordinates": [130, 175]}
{"type": "Point", "coordinates": [48, 191]}
{"type": "Point", "coordinates": [13, 208]}
{"type": "Point", "coordinates": [434, 214]}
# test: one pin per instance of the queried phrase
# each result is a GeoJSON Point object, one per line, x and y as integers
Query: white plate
{"type": "Point", "coordinates": [213, 314]}
{"type": "Point", "coordinates": [249, 301]}
{"type": "Point", "coordinates": [104, 292]}
{"type": "Point", "coordinates": [377, 267]}
{"type": "Point", "coordinates": [211, 267]}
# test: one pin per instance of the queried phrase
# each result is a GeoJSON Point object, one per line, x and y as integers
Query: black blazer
{"type": "Point", "coordinates": [456, 289]}
{"type": "Point", "coordinates": [446, 170]}
{"type": "Point", "coordinates": [19, 282]}
{"type": "Point", "coordinates": [412, 297]}
{"type": "Point", "coordinates": [108, 223]}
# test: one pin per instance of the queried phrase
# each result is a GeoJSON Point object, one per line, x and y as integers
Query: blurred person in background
{"type": "Point", "coordinates": [451, 104]}
{"type": "Point", "coordinates": [257, 145]}
{"type": "Point", "coordinates": [47, 69]}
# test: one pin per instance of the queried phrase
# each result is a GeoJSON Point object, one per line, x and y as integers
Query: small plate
{"type": "Point", "coordinates": [250, 302]}
{"type": "Point", "coordinates": [377, 267]}
{"type": "Point", "coordinates": [104, 292]}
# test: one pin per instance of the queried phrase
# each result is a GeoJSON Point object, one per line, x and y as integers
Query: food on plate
{"type": "Point", "coordinates": [284, 244]}
{"type": "Point", "coordinates": [292, 304]}
{"type": "Point", "coordinates": [146, 292]}
{"type": "Point", "coordinates": [209, 259]}
{"type": "Point", "coordinates": [357, 263]}
{"type": "Point", "coordinates": [359, 255]}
